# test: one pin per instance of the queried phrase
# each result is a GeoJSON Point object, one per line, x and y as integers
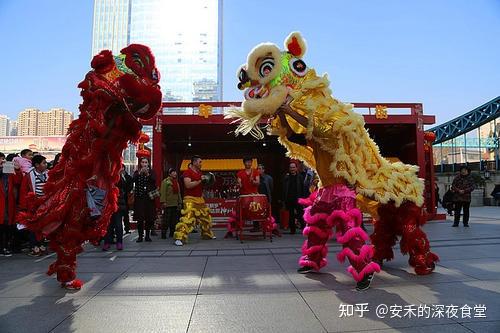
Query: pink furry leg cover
{"type": "Point", "coordinates": [318, 232]}
{"type": "Point", "coordinates": [335, 206]}
{"type": "Point", "coordinates": [353, 239]}
{"type": "Point", "coordinates": [414, 240]}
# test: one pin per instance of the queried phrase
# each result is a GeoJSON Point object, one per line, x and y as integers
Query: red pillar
{"type": "Point", "coordinates": [417, 111]}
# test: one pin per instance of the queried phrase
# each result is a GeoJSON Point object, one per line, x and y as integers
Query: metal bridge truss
{"type": "Point", "coordinates": [467, 122]}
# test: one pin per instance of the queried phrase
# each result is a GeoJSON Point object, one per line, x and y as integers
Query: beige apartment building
{"type": "Point", "coordinates": [34, 122]}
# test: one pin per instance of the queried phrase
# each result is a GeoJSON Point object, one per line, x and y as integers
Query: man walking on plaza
{"type": "Point", "coordinates": [462, 187]}
{"type": "Point", "coordinates": [194, 211]}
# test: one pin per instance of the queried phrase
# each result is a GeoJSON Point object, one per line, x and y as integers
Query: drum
{"type": "Point", "coordinates": [253, 207]}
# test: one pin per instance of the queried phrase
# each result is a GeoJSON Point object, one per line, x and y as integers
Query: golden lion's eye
{"type": "Point", "coordinates": [266, 67]}
{"type": "Point", "coordinates": [298, 66]}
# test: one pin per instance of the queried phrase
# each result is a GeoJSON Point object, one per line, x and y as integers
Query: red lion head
{"type": "Point", "coordinates": [129, 80]}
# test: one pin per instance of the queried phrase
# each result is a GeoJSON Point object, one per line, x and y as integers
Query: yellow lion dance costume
{"type": "Point", "coordinates": [330, 138]}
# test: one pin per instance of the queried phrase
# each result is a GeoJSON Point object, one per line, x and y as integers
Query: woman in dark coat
{"type": "Point", "coordinates": [144, 205]}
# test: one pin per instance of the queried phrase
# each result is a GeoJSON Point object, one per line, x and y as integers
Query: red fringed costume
{"type": "Point", "coordinates": [119, 90]}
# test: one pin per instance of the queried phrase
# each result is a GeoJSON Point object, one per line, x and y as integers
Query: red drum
{"type": "Point", "coordinates": [253, 207]}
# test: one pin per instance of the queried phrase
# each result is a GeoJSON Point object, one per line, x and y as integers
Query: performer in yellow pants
{"type": "Point", "coordinates": [195, 211]}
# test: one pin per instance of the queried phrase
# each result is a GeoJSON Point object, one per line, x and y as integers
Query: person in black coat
{"type": "Point", "coordinates": [144, 205]}
{"type": "Point", "coordinates": [293, 189]}
{"type": "Point", "coordinates": [462, 187]}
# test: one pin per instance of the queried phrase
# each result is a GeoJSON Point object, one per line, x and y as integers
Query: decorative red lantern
{"type": "Point", "coordinates": [143, 153]}
{"type": "Point", "coordinates": [143, 138]}
{"type": "Point", "coordinates": [430, 136]}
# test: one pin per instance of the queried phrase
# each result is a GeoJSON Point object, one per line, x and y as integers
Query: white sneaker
{"type": "Point", "coordinates": [214, 237]}
{"type": "Point", "coordinates": [178, 242]}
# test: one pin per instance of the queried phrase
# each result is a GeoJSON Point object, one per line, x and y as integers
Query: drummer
{"type": "Point", "coordinates": [248, 181]}
{"type": "Point", "coordinates": [248, 178]}
{"type": "Point", "coordinates": [194, 211]}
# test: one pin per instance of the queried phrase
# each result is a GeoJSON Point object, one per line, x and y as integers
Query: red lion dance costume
{"type": "Point", "coordinates": [119, 90]}
{"type": "Point", "coordinates": [330, 138]}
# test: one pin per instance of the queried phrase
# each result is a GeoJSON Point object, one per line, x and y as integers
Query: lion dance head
{"type": "Point", "coordinates": [268, 78]}
{"type": "Point", "coordinates": [128, 82]}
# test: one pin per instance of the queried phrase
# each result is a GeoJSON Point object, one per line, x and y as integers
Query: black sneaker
{"type": "Point", "coordinates": [365, 283]}
{"type": "Point", "coordinates": [305, 270]}
{"type": "Point", "coordinates": [139, 240]}
{"type": "Point", "coordinates": [454, 225]}
{"type": "Point", "coordinates": [466, 225]}
{"type": "Point", "coordinates": [6, 253]}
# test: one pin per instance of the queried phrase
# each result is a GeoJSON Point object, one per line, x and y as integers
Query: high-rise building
{"type": "Point", "coordinates": [185, 37]}
{"type": "Point", "coordinates": [110, 26]}
{"type": "Point", "coordinates": [13, 128]}
{"type": "Point", "coordinates": [28, 122]}
{"type": "Point", "coordinates": [4, 125]}
{"type": "Point", "coordinates": [38, 123]}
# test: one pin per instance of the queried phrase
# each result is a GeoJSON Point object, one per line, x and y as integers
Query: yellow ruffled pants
{"type": "Point", "coordinates": [194, 212]}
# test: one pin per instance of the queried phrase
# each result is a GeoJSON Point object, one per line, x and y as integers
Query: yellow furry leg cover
{"type": "Point", "coordinates": [195, 211]}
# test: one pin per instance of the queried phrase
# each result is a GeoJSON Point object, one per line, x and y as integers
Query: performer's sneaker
{"type": "Point", "coordinates": [75, 284]}
{"type": "Point", "coordinates": [35, 252]}
{"type": "Point", "coordinates": [208, 237]}
{"type": "Point", "coordinates": [178, 242]}
{"type": "Point", "coordinates": [365, 283]}
{"type": "Point", "coordinates": [305, 270]}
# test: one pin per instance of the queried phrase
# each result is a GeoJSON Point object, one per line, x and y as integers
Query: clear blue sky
{"type": "Point", "coordinates": [444, 54]}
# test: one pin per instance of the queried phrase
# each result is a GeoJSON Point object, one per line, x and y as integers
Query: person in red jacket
{"type": "Point", "coordinates": [9, 182]}
{"type": "Point", "coordinates": [248, 182]}
{"type": "Point", "coordinates": [248, 178]}
{"type": "Point", "coordinates": [33, 183]}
